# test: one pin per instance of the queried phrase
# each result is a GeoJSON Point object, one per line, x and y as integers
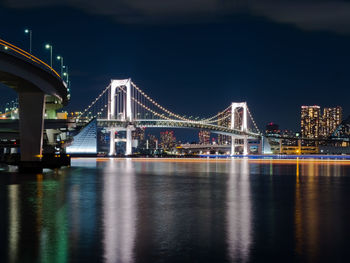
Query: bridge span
{"type": "Point", "coordinates": [123, 106]}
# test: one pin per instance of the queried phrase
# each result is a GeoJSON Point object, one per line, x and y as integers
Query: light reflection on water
{"type": "Point", "coordinates": [123, 210]}
{"type": "Point", "coordinates": [239, 221]}
{"type": "Point", "coordinates": [119, 213]}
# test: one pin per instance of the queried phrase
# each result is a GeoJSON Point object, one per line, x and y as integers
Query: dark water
{"type": "Point", "coordinates": [178, 211]}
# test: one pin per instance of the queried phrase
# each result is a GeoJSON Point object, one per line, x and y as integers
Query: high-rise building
{"type": "Point", "coordinates": [204, 137]}
{"type": "Point", "coordinates": [315, 125]}
{"type": "Point", "coordinates": [310, 121]}
{"type": "Point", "coordinates": [138, 134]}
{"type": "Point", "coordinates": [167, 140]}
{"type": "Point", "coordinates": [331, 119]}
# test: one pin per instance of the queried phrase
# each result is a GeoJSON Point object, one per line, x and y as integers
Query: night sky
{"type": "Point", "coordinates": [196, 57]}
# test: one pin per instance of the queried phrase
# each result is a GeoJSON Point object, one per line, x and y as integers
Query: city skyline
{"type": "Point", "coordinates": [245, 64]}
{"type": "Point", "coordinates": [174, 131]}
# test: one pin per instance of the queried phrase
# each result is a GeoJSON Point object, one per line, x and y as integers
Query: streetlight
{"type": "Point", "coordinates": [66, 73]}
{"type": "Point", "coordinates": [48, 46]}
{"type": "Point", "coordinates": [61, 59]}
{"type": "Point", "coordinates": [67, 77]}
{"type": "Point", "coordinates": [29, 31]}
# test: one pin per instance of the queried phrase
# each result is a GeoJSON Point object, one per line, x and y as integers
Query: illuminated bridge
{"type": "Point", "coordinates": [38, 86]}
{"type": "Point", "coordinates": [123, 106]}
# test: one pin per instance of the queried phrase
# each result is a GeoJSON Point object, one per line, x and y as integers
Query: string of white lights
{"type": "Point", "coordinates": [251, 117]}
{"type": "Point", "coordinates": [217, 115]}
{"type": "Point", "coordinates": [146, 107]}
{"type": "Point", "coordinates": [158, 105]}
{"type": "Point", "coordinates": [93, 103]}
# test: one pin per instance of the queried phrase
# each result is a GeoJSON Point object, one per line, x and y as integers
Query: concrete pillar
{"type": "Point", "coordinates": [31, 124]}
{"type": "Point", "coordinates": [128, 150]}
{"type": "Point", "coordinates": [50, 133]}
{"type": "Point", "coordinates": [233, 145]}
{"type": "Point", "coordinates": [245, 145]}
{"type": "Point", "coordinates": [112, 142]}
{"type": "Point", "coordinates": [261, 145]}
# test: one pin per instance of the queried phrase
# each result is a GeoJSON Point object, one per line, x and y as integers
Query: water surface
{"type": "Point", "coordinates": [118, 210]}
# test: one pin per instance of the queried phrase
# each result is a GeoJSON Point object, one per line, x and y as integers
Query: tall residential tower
{"type": "Point", "coordinates": [310, 121]}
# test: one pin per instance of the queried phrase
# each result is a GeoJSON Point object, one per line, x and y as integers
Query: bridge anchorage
{"type": "Point", "coordinates": [123, 106]}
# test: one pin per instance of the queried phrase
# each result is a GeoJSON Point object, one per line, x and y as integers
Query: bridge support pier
{"type": "Point", "coordinates": [112, 142]}
{"type": "Point", "coordinates": [128, 150]}
{"type": "Point", "coordinates": [31, 126]}
{"type": "Point", "coordinates": [50, 133]}
{"type": "Point", "coordinates": [233, 145]}
{"type": "Point", "coordinates": [245, 145]}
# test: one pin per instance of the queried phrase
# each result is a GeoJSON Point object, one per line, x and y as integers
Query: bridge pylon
{"type": "Point", "coordinates": [127, 113]}
{"type": "Point", "coordinates": [244, 125]}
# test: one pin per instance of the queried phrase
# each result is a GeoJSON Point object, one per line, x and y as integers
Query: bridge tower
{"type": "Point", "coordinates": [127, 114]}
{"type": "Point", "coordinates": [244, 126]}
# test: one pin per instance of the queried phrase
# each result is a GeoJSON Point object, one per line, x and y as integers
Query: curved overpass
{"type": "Point", "coordinates": [33, 80]}
{"type": "Point", "coordinates": [25, 73]}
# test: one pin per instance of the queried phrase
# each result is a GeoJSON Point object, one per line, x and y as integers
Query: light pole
{"type": "Point", "coordinates": [67, 77]}
{"type": "Point", "coordinates": [61, 59]}
{"type": "Point", "coordinates": [48, 46]}
{"type": "Point", "coordinates": [29, 31]}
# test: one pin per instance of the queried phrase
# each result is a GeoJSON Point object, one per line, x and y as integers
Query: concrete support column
{"type": "Point", "coordinates": [233, 145]}
{"type": "Point", "coordinates": [50, 133]}
{"type": "Point", "coordinates": [112, 142]}
{"type": "Point", "coordinates": [128, 150]}
{"type": "Point", "coordinates": [261, 145]}
{"type": "Point", "coordinates": [245, 145]}
{"type": "Point", "coordinates": [31, 124]}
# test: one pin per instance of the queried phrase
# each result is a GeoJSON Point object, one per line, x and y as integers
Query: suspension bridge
{"type": "Point", "coordinates": [124, 106]}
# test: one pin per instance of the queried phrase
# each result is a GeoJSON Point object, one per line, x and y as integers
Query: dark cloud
{"type": "Point", "coordinates": [331, 15]}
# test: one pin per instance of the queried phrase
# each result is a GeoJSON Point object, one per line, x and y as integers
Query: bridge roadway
{"type": "Point", "coordinates": [149, 123]}
{"type": "Point", "coordinates": [33, 80]}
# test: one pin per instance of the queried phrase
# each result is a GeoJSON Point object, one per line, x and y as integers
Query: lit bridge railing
{"type": "Point", "coordinates": [18, 52]}
{"type": "Point", "coordinates": [174, 124]}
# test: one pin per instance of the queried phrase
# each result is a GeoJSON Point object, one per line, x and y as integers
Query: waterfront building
{"type": "Point", "coordinates": [152, 142]}
{"type": "Point", "coordinates": [331, 119]}
{"type": "Point", "coordinates": [204, 137]}
{"type": "Point", "coordinates": [310, 121]}
{"type": "Point", "coordinates": [167, 140]}
{"type": "Point", "coordinates": [138, 134]}
{"type": "Point", "coordinates": [272, 129]}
